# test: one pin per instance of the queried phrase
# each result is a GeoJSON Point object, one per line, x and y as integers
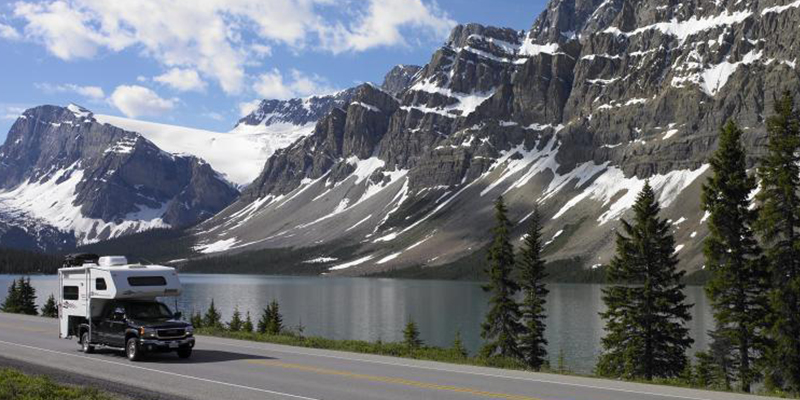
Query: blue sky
{"type": "Point", "coordinates": [202, 66]}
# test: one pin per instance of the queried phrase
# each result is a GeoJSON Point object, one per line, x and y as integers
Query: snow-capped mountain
{"type": "Point", "coordinates": [66, 178]}
{"type": "Point", "coordinates": [571, 116]}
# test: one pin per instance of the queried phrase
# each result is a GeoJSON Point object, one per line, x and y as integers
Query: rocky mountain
{"type": "Point", "coordinates": [399, 78]}
{"type": "Point", "coordinates": [571, 116]}
{"type": "Point", "coordinates": [66, 178]}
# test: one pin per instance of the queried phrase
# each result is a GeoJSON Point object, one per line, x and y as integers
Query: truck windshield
{"type": "Point", "coordinates": [148, 311]}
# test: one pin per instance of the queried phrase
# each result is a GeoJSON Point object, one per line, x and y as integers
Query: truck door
{"type": "Point", "coordinates": [112, 330]}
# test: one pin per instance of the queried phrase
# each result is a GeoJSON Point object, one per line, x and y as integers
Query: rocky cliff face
{"type": "Point", "coordinates": [571, 116]}
{"type": "Point", "coordinates": [399, 78]}
{"type": "Point", "coordinates": [61, 170]}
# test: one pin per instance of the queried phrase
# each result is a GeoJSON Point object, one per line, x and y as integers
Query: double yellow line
{"type": "Point", "coordinates": [396, 381]}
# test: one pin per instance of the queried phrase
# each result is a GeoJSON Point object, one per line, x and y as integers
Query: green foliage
{"type": "Point", "coordinates": [16, 385]}
{"type": "Point", "coordinates": [50, 309]}
{"type": "Point", "coordinates": [502, 328]}
{"type": "Point", "coordinates": [212, 317]}
{"type": "Point", "coordinates": [236, 322]}
{"type": "Point", "coordinates": [646, 332]}
{"type": "Point", "coordinates": [14, 261]}
{"type": "Point", "coordinates": [778, 224]}
{"type": "Point", "coordinates": [739, 277]}
{"type": "Point", "coordinates": [411, 335]}
{"type": "Point", "coordinates": [458, 346]}
{"type": "Point", "coordinates": [271, 321]}
{"type": "Point", "coordinates": [196, 320]}
{"type": "Point", "coordinates": [21, 298]}
{"type": "Point", "coordinates": [532, 273]}
{"type": "Point", "coordinates": [248, 323]}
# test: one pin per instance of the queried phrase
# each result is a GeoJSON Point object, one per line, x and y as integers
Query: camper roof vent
{"type": "Point", "coordinates": [112, 261]}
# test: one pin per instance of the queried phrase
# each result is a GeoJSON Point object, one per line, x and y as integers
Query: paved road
{"type": "Point", "coordinates": [232, 369]}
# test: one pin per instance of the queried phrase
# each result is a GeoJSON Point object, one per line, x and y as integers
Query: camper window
{"type": "Point", "coordinates": [147, 281]}
{"type": "Point", "coordinates": [100, 284]}
{"type": "Point", "coordinates": [70, 293]}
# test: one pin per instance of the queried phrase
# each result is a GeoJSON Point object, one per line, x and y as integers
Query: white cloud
{"type": "Point", "coordinates": [11, 113]}
{"type": "Point", "coordinates": [184, 80]}
{"type": "Point", "coordinates": [135, 101]}
{"type": "Point", "coordinates": [90, 92]}
{"type": "Point", "coordinates": [8, 32]}
{"type": "Point", "coordinates": [220, 38]}
{"type": "Point", "coordinates": [214, 115]}
{"type": "Point", "coordinates": [247, 107]}
{"type": "Point", "coordinates": [271, 85]}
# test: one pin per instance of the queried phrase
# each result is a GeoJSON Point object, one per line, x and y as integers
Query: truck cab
{"type": "Point", "coordinates": [139, 327]}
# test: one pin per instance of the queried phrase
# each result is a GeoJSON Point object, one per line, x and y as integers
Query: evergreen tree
{"type": "Point", "coordinates": [236, 323]}
{"type": "Point", "coordinates": [196, 320]}
{"type": "Point", "coordinates": [263, 322]}
{"type": "Point", "coordinates": [248, 323]}
{"type": "Point", "coordinates": [212, 319]}
{"type": "Point", "coordinates": [49, 309]}
{"type": "Point", "coordinates": [411, 335]}
{"type": "Point", "coordinates": [646, 328]}
{"type": "Point", "coordinates": [275, 326]}
{"type": "Point", "coordinates": [501, 328]}
{"type": "Point", "coordinates": [532, 274]}
{"type": "Point", "coordinates": [12, 302]}
{"type": "Point", "coordinates": [778, 224]}
{"type": "Point", "coordinates": [27, 297]}
{"type": "Point", "coordinates": [458, 346]}
{"type": "Point", "coordinates": [739, 277]}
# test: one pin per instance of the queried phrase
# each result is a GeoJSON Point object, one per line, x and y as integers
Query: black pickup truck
{"type": "Point", "coordinates": [138, 327]}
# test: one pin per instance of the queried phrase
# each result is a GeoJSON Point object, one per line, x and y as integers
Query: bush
{"type": "Point", "coordinates": [16, 385]}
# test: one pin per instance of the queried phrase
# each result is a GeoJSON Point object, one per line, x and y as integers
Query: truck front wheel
{"type": "Point", "coordinates": [132, 350]}
{"type": "Point", "coordinates": [85, 346]}
{"type": "Point", "coordinates": [185, 352]}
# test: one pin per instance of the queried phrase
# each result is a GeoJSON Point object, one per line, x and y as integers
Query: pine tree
{"type": "Point", "coordinates": [27, 296]}
{"type": "Point", "coordinates": [212, 319]}
{"type": "Point", "coordinates": [50, 309]}
{"type": "Point", "coordinates": [411, 335]}
{"type": "Point", "coordinates": [12, 301]}
{"type": "Point", "coordinates": [248, 323]}
{"type": "Point", "coordinates": [778, 224]}
{"type": "Point", "coordinates": [501, 328]}
{"type": "Point", "coordinates": [458, 346]}
{"type": "Point", "coordinates": [263, 322]}
{"type": "Point", "coordinates": [196, 320]}
{"type": "Point", "coordinates": [532, 274]}
{"type": "Point", "coordinates": [235, 324]}
{"type": "Point", "coordinates": [739, 277]}
{"type": "Point", "coordinates": [646, 328]}
{"type": "Point", "coordinates": [275, 326]}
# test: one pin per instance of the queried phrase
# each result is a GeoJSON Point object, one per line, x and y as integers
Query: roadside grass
{"type": "Point", "coordinates": [17, 385]}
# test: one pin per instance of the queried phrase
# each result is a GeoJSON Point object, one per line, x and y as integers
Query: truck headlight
{"type": "Point", "coordinates": [147, 333]}
{"type": "Point", "coordinates": [189, 330]}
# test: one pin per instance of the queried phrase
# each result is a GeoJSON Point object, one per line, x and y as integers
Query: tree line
{"type": "Point", "coordinates": [21, 299]}
{"type": "Point", "coordinates": [752, 254]}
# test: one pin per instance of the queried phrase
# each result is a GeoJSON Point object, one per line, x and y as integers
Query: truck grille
{"type": "Point", "coordinates": [171, 333]}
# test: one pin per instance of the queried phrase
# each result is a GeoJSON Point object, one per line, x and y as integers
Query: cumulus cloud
{"type": "Point", "coordinates": [135, 101]}
{"type": "Point", "coordinates": [90, 92]}
{"type": "Point", "coordinates": [184, 80]}
{"type": "Point", "coordinates": [247, 107]}
{"type": "Point", "coordinates": [272, 85]}
{"type": "Point", "coordinates": [8, 32]}
{"type": "Point", "coordinates": [219, 38]}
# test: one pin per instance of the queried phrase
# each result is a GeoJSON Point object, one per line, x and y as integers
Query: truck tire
{"type": "Point", "coordinates": [185, 353]}
{"type": "Point", "coordinates": [132, 349]}
{"type": "Point", "coordinates": [84, 342]}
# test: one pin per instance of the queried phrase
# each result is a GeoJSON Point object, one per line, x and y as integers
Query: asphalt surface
{"type": "Point", "coordinates": [233, 369]}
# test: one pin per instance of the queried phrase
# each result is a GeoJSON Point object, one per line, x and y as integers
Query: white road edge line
{"type": "Point", "coordinates": [488, 375]}
{"type": "Point", "coordinates": [161, 372]}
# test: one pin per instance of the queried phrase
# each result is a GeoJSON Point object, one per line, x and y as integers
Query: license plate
{"type": "Point", "coordinates": [173, 345]}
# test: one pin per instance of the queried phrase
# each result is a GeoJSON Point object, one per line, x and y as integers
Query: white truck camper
{"type": "Point", "coordinates": [108, 302]}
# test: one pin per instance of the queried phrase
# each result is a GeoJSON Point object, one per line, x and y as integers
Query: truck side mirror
{"type": "Point", "coordinates": [177, 315]}
{"type": "Point", "coordinates": [119, 314]}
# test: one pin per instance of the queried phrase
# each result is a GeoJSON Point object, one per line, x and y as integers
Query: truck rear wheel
{"type": "Point", "coordinates": [132, 350]}
{"type": "Point", "coordinates": [85, 346]}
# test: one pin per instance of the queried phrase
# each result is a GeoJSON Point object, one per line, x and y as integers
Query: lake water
{"type": "Point", "coordinates": [372, 309]}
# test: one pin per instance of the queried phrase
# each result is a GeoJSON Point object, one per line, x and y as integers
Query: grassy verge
{"type": "Point", "coordinates": [16, 385]}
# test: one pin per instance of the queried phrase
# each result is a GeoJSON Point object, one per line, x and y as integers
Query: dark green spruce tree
{"type": "Point", "coordinates": [531, 280]}
{"type": "Point", "coordinates": [12, 301]}
{"type": "Point", "coordinates": [49, 309]}
{"type": "Point", "coordinates": [739, 281]}
{"type": "Point", "coordinates": [212, 319]}
{"type": "Point", "coordinates": [248, 323]}
{"type": "Point", "coordinates": [778, 223]}
{"type": "Point", "coordinates": [411, 335]}
{"type": "Point", "coordinates": [27, 297]}
{"type": "Point", "coordinates": [502, 328]}
{"type": "Point", "coordinates": [236, 323]}
{"type": "Point", "coordinates": [646, 312]}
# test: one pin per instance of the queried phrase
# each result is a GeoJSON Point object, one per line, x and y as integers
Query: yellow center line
{"type": "Point", "coordinates": [24, 328]}
{"type": "Point", "coordinates": [398, 381]}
